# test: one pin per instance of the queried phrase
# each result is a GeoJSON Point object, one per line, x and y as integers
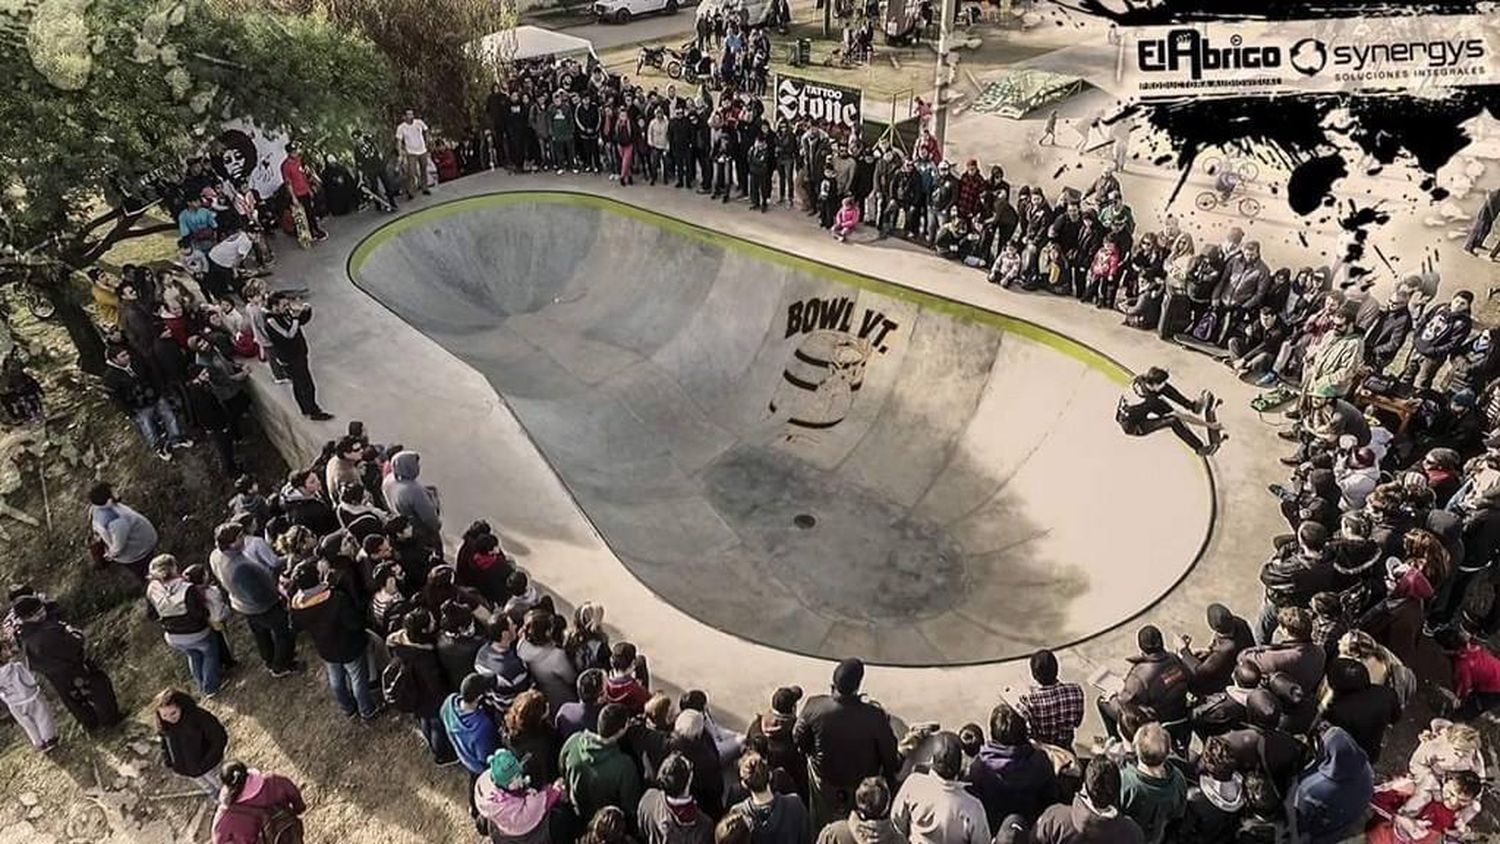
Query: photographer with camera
{"type": "Point", "coordinates": [285, 317]}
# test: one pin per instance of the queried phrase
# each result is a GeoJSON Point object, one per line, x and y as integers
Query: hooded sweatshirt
{"type": "Point", "coordinates": [239, 822]}
{"type": "Point", "coordinates": [405, 495]}
{"type": "Point", "coordinates": [1081, 823]}
{"type": "Point", "coordinates": [665, 820]}
{"type": "Point", "coordinates": [1213, 811]}
{"type": "Point", "coordinates": [784, 820]}
{"type": "Point", "coordinates": [128, 536]}
{"type": "Point", "coordinates": [515, 817]}
{"type": "Point", "coordinates": [599, 774]}
{"type": "Point", "coordinates": [1012, 780]}
{"type": "Point", "coordinates": [770, 734]}
{"type": "Point", "coordinates": [1331, 798]}
{"type": "Point", "coordinates": [473, 734]}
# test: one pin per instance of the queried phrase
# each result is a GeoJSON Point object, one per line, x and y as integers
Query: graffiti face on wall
{"type": "Point", "coordinates": [827, 366]}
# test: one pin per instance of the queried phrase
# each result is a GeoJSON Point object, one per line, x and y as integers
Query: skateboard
{"type": "Point", "coordinates": [1272, 399]}
{"type": "Point", "coordinates": [1188, 341]}
{"type": "Point", "coordinates": [299, 221]}
{"type": "Point", "coordinates": [1216, 436]}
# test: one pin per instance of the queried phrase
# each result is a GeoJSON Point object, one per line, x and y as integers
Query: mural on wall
{"type": "Point", "coordinates": [246, 152]}
{"type": "Point", "coordinates": [827, 365]}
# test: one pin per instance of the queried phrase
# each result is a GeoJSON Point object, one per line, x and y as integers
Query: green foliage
{"type": "Point", "coordinates": [113, 89]}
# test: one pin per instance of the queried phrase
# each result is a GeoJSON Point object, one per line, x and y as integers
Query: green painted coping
{"type": "Point", "coordinates": [1060, 343]}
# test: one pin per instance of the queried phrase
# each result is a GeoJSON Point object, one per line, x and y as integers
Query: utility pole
{"type": "Point", "coordinates": [940, 96]}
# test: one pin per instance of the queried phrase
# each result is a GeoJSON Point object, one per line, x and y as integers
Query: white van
{"type": "Point", "coordinates": [621, 11]}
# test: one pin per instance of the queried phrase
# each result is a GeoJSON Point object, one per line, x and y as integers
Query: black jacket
{"type": "Point", "coordinates": [1157, 684]}
{"type": "Point", "coordinates": [770, 735]}
{"type": "Point", "coordinates": [1279, 756]}
{"type": "Point", "coordinates": [336, 626]}
{"type": "Point", "coordinates": [846, 738]}
{"type": "Point", "coordinates": [195, 744]}
{"type": "Point", "coordinates": [421, 662]}
{"type": "Point", "coordinates": [456, 655]}
{"type": "Point", "coordinates": [53, 648]}
{"type": "Point", "coordinates": [287, 340]}
{"type": "Point", "coordinates": [1365, 711]}
{"type": "Point", "coordinates": [131, 389]}
{"type": "Point", "coordinates": [1216, 669]}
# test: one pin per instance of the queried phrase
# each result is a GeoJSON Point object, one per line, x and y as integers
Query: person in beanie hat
{"type": "Point", "coordinates": [770, 735]}
{"type": "Point", "coordinates": [1156, 687]}
{"type": "Point", "coordinates": [1211, 668]}
{"type": "Point", "coordinates": [514, 812]}
{"type": "Point", "coordinates": [845, 738]}
{"type": "Point", "coordinates": [870, 822]}
{"type": "Point", "coordinates": [597, 771]}
{"type": "Point", "coordinates": [667, 813]}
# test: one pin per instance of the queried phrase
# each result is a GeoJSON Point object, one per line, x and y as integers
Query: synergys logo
{"type": "Point", "coordinates": [1311, 56]}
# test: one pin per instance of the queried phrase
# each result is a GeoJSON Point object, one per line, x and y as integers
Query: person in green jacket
{"type": "Point", "coordinates": [1153, 793]}
{"type": "Point", "coordinates": [560, 119]}
{"type": "Point", "coordinates": [597, 771]}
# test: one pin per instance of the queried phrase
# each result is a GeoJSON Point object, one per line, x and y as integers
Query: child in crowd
{"type": "Point", "coordinates": [22, 696]}
{"type": "Point", "coordinates": [1448, 815]}
{"type": "Point", "coordinates": [847, 218]}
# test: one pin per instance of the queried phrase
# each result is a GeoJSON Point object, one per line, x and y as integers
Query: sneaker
{"type": "Point", "coordinates": [447, 763]}
{"type": "Point", "coordinates": [374, 714]}
{"type": "Point", "coordinates": [282, 380]}
{"type": "Point", "coordinates": [183, 443]}
{"type": "Point", "coordinates": [49, 745]}
{"type": "Point", "coordinates": [1289, 434]}
{"type": "Point", "coordinates": [1291, 460]}
{"type": "Point", "coordinates": [426, 192]}
{"type": "Point", "coordinates": [1267, 380]}
{"type": "Point", "coordinates": [282, 672]}
{"type": "Point", "coordinates": [164, 454]}
{"type": "Point", "coordinates": [322, 236]}
{"type": "Point", "coordinates": [320, 416]}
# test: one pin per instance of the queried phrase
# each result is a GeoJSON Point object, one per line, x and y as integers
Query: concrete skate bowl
{"type": "Point", "coordinates": [799, 455]}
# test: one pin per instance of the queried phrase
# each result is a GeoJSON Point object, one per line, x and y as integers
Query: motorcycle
{"type": "Point", "coordinates": [651, 57]}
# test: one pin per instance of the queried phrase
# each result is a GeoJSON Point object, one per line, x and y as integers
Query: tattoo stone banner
{"type": "Point", "coordinates": [1405, 53]}
{"type": "Point", "coordinates": [820, 102]}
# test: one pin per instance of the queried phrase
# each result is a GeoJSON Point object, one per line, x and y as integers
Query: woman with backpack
{"type": "Point", "coordinates": [255, 808]}
{"type": "Point", "coordinates": [192, 739]}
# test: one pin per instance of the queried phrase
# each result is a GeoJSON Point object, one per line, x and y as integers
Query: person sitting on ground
{"type": "Point", "coordinates": [1153, 793]}
{"type": "Point", "coordinates": [582, 714]}
{"type": "Point", "coordinates": [546, 661]}
{"type": "Point", "coordinates": [1441, 820]}
{"type": "Point", "coordinates": [934, 806]}
{"type": "Point", "coordinates": [529, 735]}
{"type": "Point", "coordinates": [1156, 687]}
{"type": "Point", "coordinates": [1053, 709]}
{"type": "Point", "coordinates": [1094, 814]}
{"type": "Point", "coordinates": [1009, 775]}
{"type": "Point", "coordinates": [1212, 669]}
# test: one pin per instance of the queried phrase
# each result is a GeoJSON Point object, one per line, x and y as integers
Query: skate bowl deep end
{"type": "Point", "coordinates": [796, 454]}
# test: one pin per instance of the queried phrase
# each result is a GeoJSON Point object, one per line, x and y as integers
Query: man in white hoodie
{"type": "Point", "coordinates": [935, 807]}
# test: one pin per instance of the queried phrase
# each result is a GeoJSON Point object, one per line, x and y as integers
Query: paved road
{"type": "Point", "coordinates": [648, 28]}
{"type": "Point", "coordinates": [802, 457]}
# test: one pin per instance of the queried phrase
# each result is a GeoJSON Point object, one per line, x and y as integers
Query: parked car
{"type": "Point", "coordinates": [621, 11]}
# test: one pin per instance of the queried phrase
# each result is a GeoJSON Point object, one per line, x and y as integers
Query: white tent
{"type": "Point", "coordinates": [533, 42]}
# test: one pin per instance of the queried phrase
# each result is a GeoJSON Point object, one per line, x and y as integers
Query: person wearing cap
{"type": "Point", "coordinates": [1439, 334]}
{"type": "Point", "coordinates": [667, 813]}
{"type": "Point", "coordinates": [514, 811]}
{"type": "Point", "coordinates": [1155, 688]}
{"type": "Point", "coordinates": [935, 806]}
{"type": "Point", "coordinates": [846, 738]}
{"type": "Point", "coordinates": [1212, 667]}
{"type": "Point", "coordinates": [770, 735]}
{"type": "Point", "coordinates": [59, 652]}
{"type": "Point", "coordinates": [597, 771]}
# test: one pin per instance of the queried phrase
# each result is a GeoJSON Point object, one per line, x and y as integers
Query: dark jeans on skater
{"type": "Point", "coordinates": [272, 630]}
{"type": "Point", "coordinates": [88, 695]}
{"type": "Point", "coordinates": [303, 388]}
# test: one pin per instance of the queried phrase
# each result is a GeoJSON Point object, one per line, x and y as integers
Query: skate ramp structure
{"type": "Point", "coordinates": [796, 454]}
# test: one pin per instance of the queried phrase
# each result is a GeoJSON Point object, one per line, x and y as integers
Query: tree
{"type": "Point", "coordinates": [106, 92]}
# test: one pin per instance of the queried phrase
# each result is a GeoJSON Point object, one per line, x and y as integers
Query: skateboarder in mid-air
{"type": "Point", "coordinates": [1154, 411]}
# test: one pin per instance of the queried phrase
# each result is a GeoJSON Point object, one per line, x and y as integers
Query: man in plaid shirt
{"type": "Point", "coordinates": [1053, 710]}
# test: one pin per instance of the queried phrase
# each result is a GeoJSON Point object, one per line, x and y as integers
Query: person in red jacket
{"type": "Point", "coordinates": [251, 803]}
{"type": "Point", "coordinates": [296, 182]}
